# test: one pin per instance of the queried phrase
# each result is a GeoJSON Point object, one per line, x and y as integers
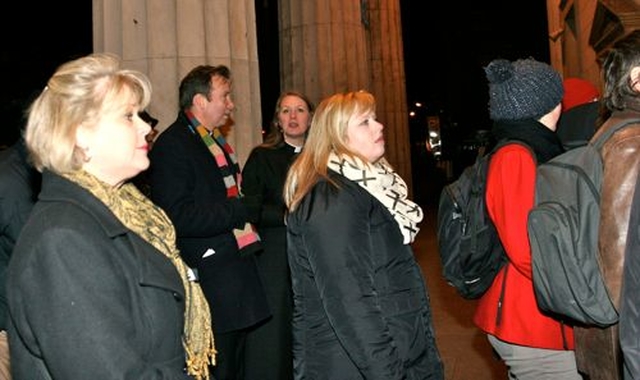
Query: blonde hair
{"type": "Point", "coordinates": [78, 94]}
{"type": "Point", "coordinates": [327, 134]}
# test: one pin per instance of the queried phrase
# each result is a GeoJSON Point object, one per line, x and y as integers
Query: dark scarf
{"type": "Point", "coordinates": [247, 238]}
{"type": "Point", "coordinates": [543, 141]}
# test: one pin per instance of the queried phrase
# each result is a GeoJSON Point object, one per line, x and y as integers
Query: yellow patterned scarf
{"type": "Point", "coordinates": [150, 222]}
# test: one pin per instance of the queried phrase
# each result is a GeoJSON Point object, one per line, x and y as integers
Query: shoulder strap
{"type": "Point", "coordinates": [600, 140]}
{"type": "Point", "coordinates": [504, 142]}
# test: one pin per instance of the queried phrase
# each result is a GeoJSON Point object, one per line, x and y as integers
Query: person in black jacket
{"type": "Point", "coordinates": [580, 112]}
{"type": "Point", "coordinates": [262, 180]}
{"type": "Point", "coordinates": [361, 306]}
{"type": "Point", "coordinates": [97, 286]}
{"type": "Point", "coordinates": [19, 188]}
{"type": "Point", "coordinates": [195, 177]}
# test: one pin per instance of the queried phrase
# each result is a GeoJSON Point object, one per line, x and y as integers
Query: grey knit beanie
{"type": "Point", "coordinates": [524, 89]}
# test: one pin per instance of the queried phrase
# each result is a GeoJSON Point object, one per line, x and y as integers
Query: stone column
{"type": "Point", "coordinates": [167, 38]}
{"type": "Point", "coordinates": [329, 46]}
{"type": "Point", "coordinates": [388, 81]}
{"type": "Point", "coordinates": [323, 47]}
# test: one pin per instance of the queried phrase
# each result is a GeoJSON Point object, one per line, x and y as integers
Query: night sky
{"type": "Point", "coordinates": [36, 39]}
{"type": "Point", "coordinates": [446, 46]}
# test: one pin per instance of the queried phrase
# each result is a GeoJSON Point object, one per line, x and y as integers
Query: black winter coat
{"type": "Point", "coordinates": [361, 307]}
{"type": "Point", "coordinates": [262, 183]}
{"type": "Point", "coordinates": [88, 298]}
{"type": "Point", "coordinates": [187, 183]}
{"type": "Point", "coordinates": [19, 188]}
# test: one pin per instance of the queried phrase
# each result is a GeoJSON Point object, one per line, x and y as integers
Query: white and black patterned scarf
{"type": "Point", "coordinates": [386, 186]}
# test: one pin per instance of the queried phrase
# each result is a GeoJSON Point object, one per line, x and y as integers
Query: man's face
{"type": "Point", "coordinates": [218, 105]}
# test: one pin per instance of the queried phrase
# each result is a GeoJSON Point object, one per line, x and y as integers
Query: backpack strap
{"type": "Point", "coordinates": [600, 140]}
{"type": "Point", "coordinates": [503, 142]}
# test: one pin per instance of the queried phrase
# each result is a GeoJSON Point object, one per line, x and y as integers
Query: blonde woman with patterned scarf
{"type": "Point", "coordinates": [96, 285]}
{"type": "Point", "coordinates": [361, 307]}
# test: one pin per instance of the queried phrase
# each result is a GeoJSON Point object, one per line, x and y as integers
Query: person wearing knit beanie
{"type": "Point", "coordinates": [524, 104]}
{"type": "Point", "coordinates": [580, 112]}
{"type": "Point", "coordinates": [524, 89]}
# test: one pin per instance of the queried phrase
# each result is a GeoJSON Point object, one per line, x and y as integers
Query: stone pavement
{"type": "Point", "coordinates": [466, 353]}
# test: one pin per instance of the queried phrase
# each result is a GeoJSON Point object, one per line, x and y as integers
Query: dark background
{"type": "Point", "coordinates": [446, 46]}
{"type": "Point", "coordinates": [36, 38]}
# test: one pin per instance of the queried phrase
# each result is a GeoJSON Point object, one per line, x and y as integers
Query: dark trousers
{"type": "Point", "coordinates": [230, 356]}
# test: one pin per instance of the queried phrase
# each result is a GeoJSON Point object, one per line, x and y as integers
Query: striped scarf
{"type": "Point", "coordinates": [247, 238]}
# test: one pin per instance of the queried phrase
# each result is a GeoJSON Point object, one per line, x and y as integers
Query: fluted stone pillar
{"type": "Point", "coordinates": [329, 46]}
{"type": "Point", "coordinates": [323, 47]}
{"type": "Point", "coordinates": [388, 81]}
{"type": "Point", "coordinates": [167, 38]}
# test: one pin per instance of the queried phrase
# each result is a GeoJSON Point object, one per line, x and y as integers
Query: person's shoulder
{"type": "Point", "coordinates": [175, 135]}
{"type": "Point", "coordinates": [14, 167]}
{"type": "Point", "coordinates": [349, 193]}
{"type": "Point", "coordinates": [331, 191]}
{"type": "Point", "coordinates": [514, 147]}
{"type": "Point", "coordinates": [329, 200]}
{"type": "Point", "coordinates": [513, 153]}
{"type": "Point", "coordinates": [260, 151]}
{"type": "Point", "coordinates": [275, 155]}
{"type": "Point", "coordinates": [623, 127]}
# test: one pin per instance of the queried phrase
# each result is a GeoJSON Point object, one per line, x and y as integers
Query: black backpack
{"type": "Point", "coordinates": [471, 253]}
{"type": "Point", "coordinates": [563, 232]}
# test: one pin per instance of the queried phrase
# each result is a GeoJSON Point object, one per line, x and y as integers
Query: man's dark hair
{"type": "Point", "coordinates": [198, 81]}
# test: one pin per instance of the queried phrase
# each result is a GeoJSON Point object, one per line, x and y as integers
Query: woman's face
{"type": "Point", "coordinates": [116, 147]}
{"type": "Point", "coordinates": [294, 118]}
{"type": "Point", "coordinates": [364, 136]}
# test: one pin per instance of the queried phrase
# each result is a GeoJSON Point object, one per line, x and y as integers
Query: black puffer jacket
{"type": "Point", "coordinates": [361, 308]}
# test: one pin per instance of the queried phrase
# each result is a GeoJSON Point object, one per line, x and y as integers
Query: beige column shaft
{"type": "Point", "coordinates": [323, 47]}
{"type": "Point", "coordinates": [329, 46]}
{"type": "Point", "coordinates": [388, 82]}
{"type": "Point", "coordinates": [167, 38]}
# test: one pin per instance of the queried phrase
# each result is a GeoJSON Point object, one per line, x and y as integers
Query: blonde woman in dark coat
{"type": "Point", "coordinates": [96, 286]}
{"type": "Point", "coordinates": [361, 307]}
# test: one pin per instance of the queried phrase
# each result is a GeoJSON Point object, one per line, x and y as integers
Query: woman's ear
{"type": "Point", "coordinates": [83, 139]}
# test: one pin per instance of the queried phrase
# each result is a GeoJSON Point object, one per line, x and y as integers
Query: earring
{"type": "Point", "coordinates": [86, 156]}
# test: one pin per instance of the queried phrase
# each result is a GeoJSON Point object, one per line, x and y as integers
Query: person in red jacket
{"type": "Point", "coordinates": [524, 105]}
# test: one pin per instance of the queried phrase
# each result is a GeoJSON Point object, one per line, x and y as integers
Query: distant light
{"type": "Point", "coordinates": [412, 113]}
{"type": "Point", "coordinates": [418, 104]}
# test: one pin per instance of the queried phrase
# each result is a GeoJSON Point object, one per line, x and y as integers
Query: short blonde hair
{"type": "Point", "coordinates": [327, 134]}
{"type": "Point", "coordinates": [78, 94]}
